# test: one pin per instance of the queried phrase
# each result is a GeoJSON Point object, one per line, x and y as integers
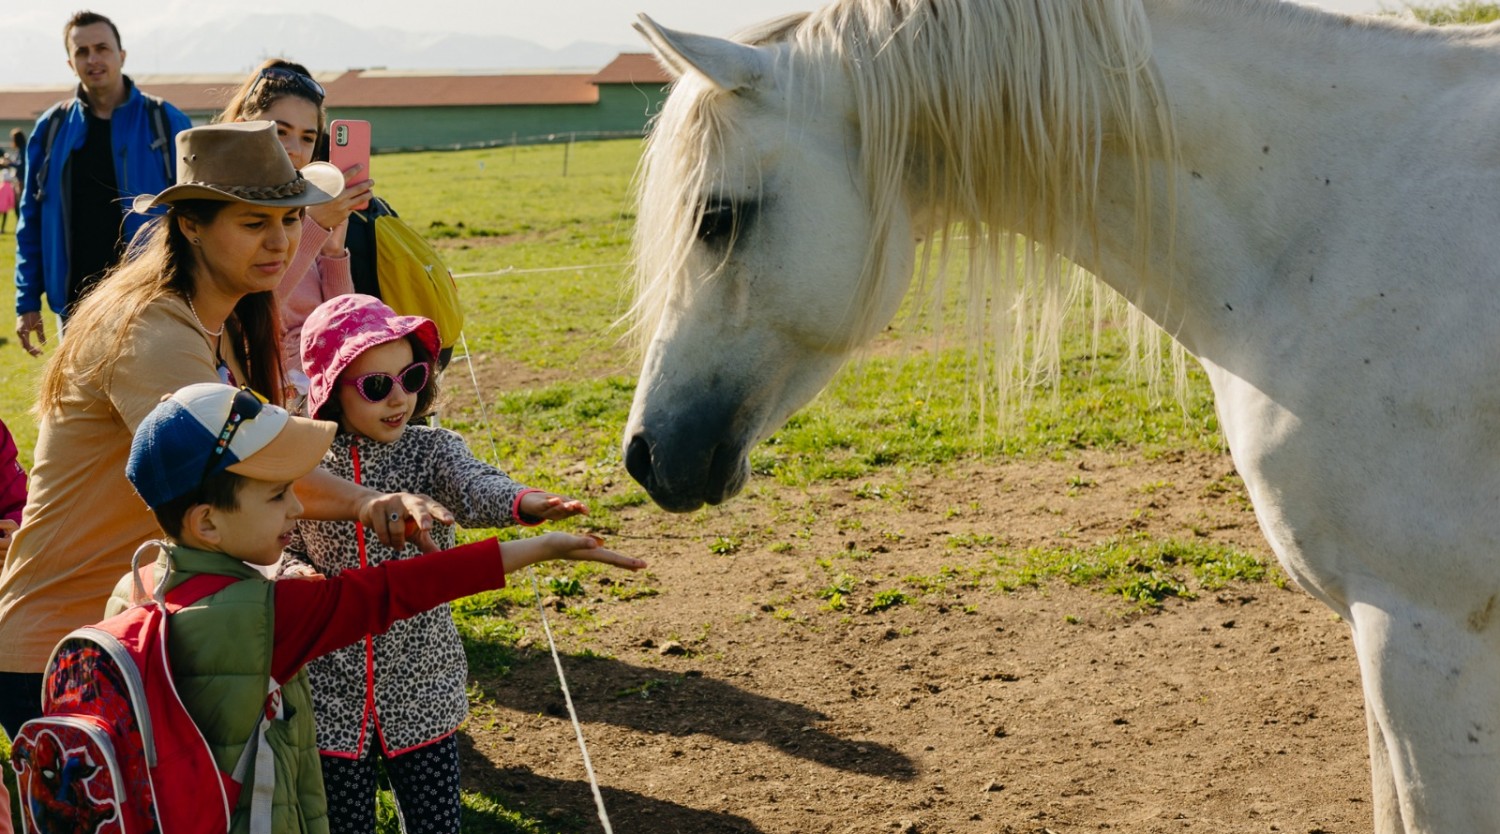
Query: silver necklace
{"type": "Point", "coordinates": [214, 333]}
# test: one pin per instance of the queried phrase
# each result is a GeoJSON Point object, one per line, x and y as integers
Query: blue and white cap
{"type": "Point", "coordinates": [209, 427]}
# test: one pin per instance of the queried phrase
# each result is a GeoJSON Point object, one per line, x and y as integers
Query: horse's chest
{"type": "Point", "coordinates": [1355, 476]}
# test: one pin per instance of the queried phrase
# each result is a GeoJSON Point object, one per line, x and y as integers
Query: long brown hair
{"type": "Point", "coordinates": [242, 107]}
{"type": "Point", "coordinates": [160, 262]}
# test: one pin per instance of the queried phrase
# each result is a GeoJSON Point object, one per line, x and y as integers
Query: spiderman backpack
{"type": "Point", "coordinates": [115, 751]}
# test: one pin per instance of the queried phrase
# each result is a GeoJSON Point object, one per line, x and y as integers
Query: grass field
{"type": "Point", "coordinates": [543, 259]}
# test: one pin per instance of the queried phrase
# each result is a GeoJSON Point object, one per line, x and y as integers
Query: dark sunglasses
{"type": "Point", "coordinates": [284, 74]}
{"type": "Point", "coordinates": [377, 386]}
{"type": "Point", "coordinates": [246, 406]}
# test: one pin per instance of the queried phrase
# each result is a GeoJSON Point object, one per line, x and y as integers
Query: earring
{"type": "Point", "coordinates": [197, 242]}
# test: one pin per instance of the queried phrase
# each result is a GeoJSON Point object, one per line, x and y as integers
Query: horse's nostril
{"type": "Point", "coordinates": [638, 461]}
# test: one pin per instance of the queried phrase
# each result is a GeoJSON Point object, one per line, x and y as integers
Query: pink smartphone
{"type": "Point", "coordinates": [348, 145]}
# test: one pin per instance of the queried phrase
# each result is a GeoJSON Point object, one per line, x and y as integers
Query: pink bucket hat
{"type": "Point", "coordinates": [345, 326]}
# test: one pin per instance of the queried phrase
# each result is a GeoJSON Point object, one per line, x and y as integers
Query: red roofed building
{"type": "Point", "coordinates": [412, 109]}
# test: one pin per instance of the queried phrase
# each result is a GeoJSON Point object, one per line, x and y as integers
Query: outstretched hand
{"type": "Point", "coordinates": [545, 505]}
{"type": "Point", "coordinates": [557, 545]}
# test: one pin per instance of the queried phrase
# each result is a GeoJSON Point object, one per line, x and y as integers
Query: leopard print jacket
{"type": "Point", "coordinates": [418, 671]}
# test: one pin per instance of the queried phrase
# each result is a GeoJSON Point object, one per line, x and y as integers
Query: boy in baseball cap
{"type": "Point", "coordinates": [216, 466]}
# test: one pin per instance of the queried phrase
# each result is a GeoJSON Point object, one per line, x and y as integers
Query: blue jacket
{"type": "Point", "coordinates": [42, 235]}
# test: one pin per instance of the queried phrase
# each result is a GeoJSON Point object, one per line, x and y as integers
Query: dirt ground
{"type": "Point", "coordinates": [732, 702]}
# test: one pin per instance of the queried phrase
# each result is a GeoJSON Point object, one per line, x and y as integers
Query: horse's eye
{"type": "Point", "coordinates": [723, 219]}
{"type": "Point", "coordinates": [717, 223]}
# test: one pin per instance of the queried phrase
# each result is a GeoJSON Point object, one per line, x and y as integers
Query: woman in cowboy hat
{"type": "Point", "coordinates": [191, 303]}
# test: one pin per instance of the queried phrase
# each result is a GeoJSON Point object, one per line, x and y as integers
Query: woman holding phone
{"type": "Point", "coordinates": [286, 93]}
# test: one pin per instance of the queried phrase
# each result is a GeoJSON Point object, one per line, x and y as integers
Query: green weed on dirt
{"type": "Point", "coordinates": [1144, 571]}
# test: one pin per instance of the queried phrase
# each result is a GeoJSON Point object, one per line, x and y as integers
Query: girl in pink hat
{"type": "Point", "coordinates": [397, 696]}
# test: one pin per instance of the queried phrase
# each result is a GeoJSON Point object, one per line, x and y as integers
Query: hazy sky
{"type": "Point", "coordinates": [550, 23]}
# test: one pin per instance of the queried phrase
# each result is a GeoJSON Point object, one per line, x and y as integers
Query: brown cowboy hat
{"type": "Point", "coordinates": [243, 161]}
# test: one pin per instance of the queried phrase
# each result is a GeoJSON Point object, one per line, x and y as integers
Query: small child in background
{"type": "Point", "coordinates": [216, 467]}
{"type": "Point", "coordinates": [10, 195]}
{"type": "Point", "coordinates": [398, 696]}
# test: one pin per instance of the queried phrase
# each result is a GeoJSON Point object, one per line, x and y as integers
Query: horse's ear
{"type": "Point", "coordinates": [730, 66]}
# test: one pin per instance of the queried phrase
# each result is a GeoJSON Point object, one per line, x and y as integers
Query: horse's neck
{"type": "Point", "coordinates": [1279, 116]}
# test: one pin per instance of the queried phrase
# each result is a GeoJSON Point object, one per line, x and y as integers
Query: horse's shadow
{"type": "Point", "coordinates": [613, 691]}
{"type": "Point", "coordinates": [544, 796]}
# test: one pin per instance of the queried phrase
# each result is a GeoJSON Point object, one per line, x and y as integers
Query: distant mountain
{"type": "Point", "coordinates": [236, 43]}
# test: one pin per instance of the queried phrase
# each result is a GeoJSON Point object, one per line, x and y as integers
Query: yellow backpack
{"type": "Point", "coordinates": [414, 281]}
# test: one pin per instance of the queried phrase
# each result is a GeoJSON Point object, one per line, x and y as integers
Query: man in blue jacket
{"type": "Point", "coordinates": [88, 156]}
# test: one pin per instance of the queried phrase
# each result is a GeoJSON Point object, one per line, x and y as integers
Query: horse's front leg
{"type": "Point", "coordinates": [1432, 697]}
{"type": "Point", "coordinates": [1387, 808]}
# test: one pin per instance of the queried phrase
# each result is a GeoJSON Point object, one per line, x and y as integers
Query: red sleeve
{"type": "Point", "coordinates": [315, 617]}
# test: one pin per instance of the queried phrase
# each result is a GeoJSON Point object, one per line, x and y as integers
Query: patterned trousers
{"type": "Point", "coordinates": [424, 782]}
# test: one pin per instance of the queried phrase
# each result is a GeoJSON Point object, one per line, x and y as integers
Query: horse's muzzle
{"type": "Point", "coordinates": [684, 475]}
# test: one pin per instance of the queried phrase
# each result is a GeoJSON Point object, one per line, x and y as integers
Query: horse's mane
{"type": "Point", "coordinates": [995, 110]}
{"type": "Point", "coordinates": [996, 113]}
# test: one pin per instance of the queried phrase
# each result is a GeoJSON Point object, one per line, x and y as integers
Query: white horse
{"type": "Point", "coordinates": [1309, 203]}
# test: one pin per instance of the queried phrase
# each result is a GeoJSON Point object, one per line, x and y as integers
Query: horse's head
{"type": "Point", "coordinates": [761, 263]}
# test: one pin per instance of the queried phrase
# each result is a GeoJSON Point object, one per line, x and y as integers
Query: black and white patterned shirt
{"type": "Point", "coordinates": [417, 670]}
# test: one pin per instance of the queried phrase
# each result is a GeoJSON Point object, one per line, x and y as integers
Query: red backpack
{"type": "Point", "coordinates": [115, 751]}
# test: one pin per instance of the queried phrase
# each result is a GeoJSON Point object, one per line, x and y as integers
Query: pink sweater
{"type": "Point", "coordinates": [12, 478]}
{"type": "Point", "coordinates": [310, 280]}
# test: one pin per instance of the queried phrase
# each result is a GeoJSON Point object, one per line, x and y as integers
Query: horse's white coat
{"type": "Point", "coordinates": [1334, 265]}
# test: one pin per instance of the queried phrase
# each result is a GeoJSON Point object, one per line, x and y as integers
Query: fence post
{"type": "Point", "coordinates": [567, 152]}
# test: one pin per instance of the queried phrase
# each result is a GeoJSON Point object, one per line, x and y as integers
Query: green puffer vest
{"type": "Point", "coordinates": [221, 661]}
